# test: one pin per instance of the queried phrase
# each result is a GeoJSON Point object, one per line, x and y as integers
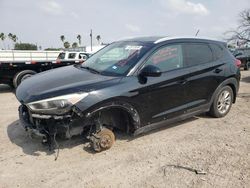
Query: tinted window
{"type": "Point", "coordinates": [197, 53]}
{"type": "Point", "coordinates": [217, 50]}
{"type": "Point", "coordinates": [118, 58]}
{"type": "Point", "coordinates": [61, 56]}
{"type": "Point", "coordinates": [83, 56]}
{"type": "Point", "coordinates": [167, 58]}
{"type": "Point", "coordinates": [72, 55]}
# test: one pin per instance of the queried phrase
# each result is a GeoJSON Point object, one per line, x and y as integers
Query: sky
{"type": "Point", "coordinates": [42, 22]}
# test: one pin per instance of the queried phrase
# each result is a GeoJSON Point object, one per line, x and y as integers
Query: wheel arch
{"type": "Point", "coordinates": [231, 82]}
{"type": "Point", "coordinates": [115, 107]}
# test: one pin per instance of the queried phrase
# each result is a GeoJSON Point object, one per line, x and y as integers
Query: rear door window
{"type": "Point", "coordinates": [167, 58]}
{"type": "Point", "coordinates": [197, 53]}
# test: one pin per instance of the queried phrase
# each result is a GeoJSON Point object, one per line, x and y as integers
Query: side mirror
{"type": "Point", "coordinates": [150, 71]}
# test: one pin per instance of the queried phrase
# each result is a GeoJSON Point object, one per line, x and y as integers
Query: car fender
{"type": "Point", "coordinates": [122, 104]}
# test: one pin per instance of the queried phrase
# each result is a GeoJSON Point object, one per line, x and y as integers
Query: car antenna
{"type": "Point", "coordinates": [197, 32]}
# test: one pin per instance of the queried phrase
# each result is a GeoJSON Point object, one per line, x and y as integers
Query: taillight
{"type": "Point", "coordinates": [237, 63]}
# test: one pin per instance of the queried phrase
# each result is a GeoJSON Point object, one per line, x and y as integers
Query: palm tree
{"type": "Point", "coordinates": [74, 45]}
{"type": "Point", "coordinates": [62, 37]}
{"type": "Point", "coordinates": [79, 39]}
{"type": "Point", "coordinates": [66, 44]}
{"type": "Point", "coordinates": [2, 37]}
{"type": "Point", "coordinates": [98, 38]}
{"type": "Point", "coordinates": [10, 36]}
{"type": "Point", "coordinates": [14, 38]}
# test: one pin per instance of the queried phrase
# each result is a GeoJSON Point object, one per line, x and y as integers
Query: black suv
{"type": "Point", "coordinates": [132, 85]}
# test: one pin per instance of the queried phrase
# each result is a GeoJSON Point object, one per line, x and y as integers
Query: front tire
{"type": "Point", "coordinates": [222, 102]}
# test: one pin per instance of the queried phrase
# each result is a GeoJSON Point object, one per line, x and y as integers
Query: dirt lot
{"type": "Point", "coordinates": [219, 147]}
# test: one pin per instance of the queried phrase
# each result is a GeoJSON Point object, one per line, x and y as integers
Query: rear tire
{"type": "Point", "coordinates": [21, 76]}
{"type": "Point", "coordinates": [222, 102]}
{"type": "Point", "coordinates": [247, 65]}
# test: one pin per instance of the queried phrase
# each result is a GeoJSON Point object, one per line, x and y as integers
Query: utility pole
{"type": "Point", "coordinates": [91, 39]}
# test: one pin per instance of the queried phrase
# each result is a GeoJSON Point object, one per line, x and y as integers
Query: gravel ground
{"type": "Point", "coordinates": [164, 158]}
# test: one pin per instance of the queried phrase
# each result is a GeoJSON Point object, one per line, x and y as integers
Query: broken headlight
{"type": "Point", "coordinates": [56, 105]}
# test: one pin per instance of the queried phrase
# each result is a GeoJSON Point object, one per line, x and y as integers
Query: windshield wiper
{"type": "Point", "coordinates": [91, 70]}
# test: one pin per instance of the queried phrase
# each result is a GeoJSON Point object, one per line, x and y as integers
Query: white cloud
{"type": "Point", "coordinates": [52, 7]}
{"type": "Point", "coordinates": [187, 7]}
{"type": "Point", "coordinates": [132, 28]}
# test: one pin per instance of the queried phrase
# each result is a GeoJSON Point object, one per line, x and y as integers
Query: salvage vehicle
{"type": "Point", "coordinates": [133, 85]}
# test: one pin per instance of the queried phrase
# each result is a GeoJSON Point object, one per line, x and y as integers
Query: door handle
{"type": "Point", "coordinates": [217, 71]}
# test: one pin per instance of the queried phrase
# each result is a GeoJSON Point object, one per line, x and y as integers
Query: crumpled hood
{"type": "Point", "coordinates": [61, 81]}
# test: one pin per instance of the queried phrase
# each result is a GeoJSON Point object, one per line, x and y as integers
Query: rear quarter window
{"type": "Point", "coordinates": [217, 51]}
{"type": "Point", "coordinates": [197, 53]}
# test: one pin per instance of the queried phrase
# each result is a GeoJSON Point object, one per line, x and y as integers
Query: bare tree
{"type": "Point", "coordinates": [242, 32]}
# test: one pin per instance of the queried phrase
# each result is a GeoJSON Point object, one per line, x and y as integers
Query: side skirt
{"type": "Point", "coordinates": [164, 123]}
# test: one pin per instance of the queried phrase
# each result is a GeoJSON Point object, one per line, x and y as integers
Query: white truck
{"type": "Point", "coordinates": [27, 55]}
{"type": "Point", "coordinates": [68, 55]}
{"type": "Point", "coordinates": [16, 66]}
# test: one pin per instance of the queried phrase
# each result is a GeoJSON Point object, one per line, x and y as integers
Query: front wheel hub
{"type": "Point", "coordinates": [103, 140]}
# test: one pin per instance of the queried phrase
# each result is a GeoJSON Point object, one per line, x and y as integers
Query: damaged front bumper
{"type": "Point", "coordinates": [48, 126]}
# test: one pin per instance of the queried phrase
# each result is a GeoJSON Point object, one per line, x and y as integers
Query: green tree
{"type": "Point", "coordinates": [3, 37]}
{"type": "Point", "coordinates": [79, 38]}
{"type": "Point", "coordinates": [98, 38]}
{"type": "Point", "coordinates": [66, 44]}
{"type": "Point", "coordinates": [10, 36]}
{"type": "Point", "coordinates": [25, 46]}
{"type": "Point", "coordinates": [74, 45]}
{"type": "Point", "coordinates": [13, 38]}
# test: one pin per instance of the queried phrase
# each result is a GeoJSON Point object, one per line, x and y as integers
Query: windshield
{"type": "Point", "coordinates": [117, 59]}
